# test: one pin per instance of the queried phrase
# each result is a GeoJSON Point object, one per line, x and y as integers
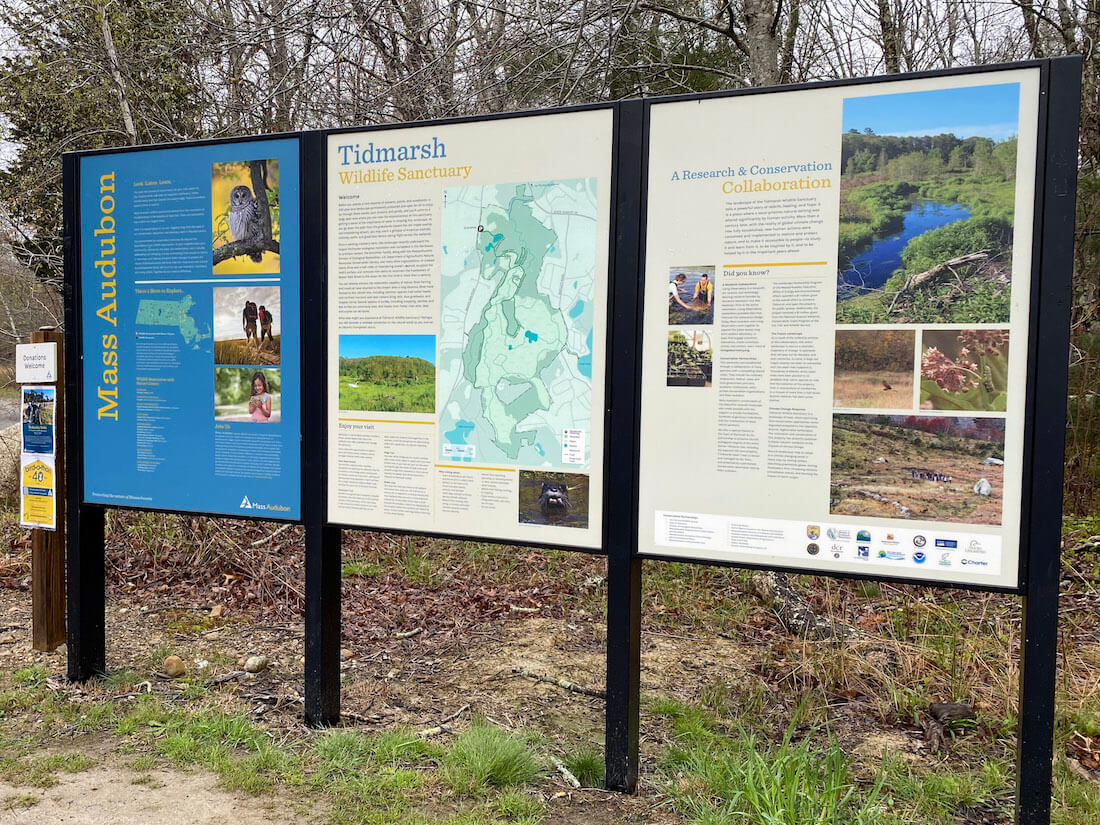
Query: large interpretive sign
{"type": "Point", "coordinates": [467, 309]}
{"type": "Point", "coordinates": [835, 333]}
{"type": "Point", "coordinates": [189, 278]}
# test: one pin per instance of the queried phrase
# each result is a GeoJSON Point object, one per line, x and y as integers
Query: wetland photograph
{"type": "Point", "coordinates": [928, 190]}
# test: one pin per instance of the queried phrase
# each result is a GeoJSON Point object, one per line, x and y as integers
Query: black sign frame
{"type": "Point", "coordinates": [1044, 443]}
{"type": "Point", "coordinates": [1038, 582]}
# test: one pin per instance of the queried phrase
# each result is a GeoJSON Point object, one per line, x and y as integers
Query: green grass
{"type": "Point", "coordinates": [587, 765]}
{"type": "Point", "coordinates": [34, 675]}
{"type": "Point", "coordinates": [716, 778]}
{"type": "Point", "coordinates": [417, 396]}
{"type": "Point", "coordinates": [240, 351]}
{"type": "Point", "coordinates": [485, 756]}
{"type": "Point", "coordinates": [360, 568]}
{"type": "Point", "coordinates": [17, 802]}
{"type": "Point", "coordinates": [1076, 802]}
{"type": "Point", "coordinates": [937, 796]}
{"type": "Point", "coordinates": [123, 679]}
{"type": "Point", "coordinates": [41, 771]}
{"type": "Point", "coordinates": [142, 764]}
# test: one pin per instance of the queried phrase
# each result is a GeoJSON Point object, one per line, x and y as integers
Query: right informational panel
{"type": "Point", "coordinates": [467, 308]}
{"type": "Point", "coordinates": [835, 329]}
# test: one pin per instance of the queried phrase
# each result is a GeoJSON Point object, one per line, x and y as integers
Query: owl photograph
{"type": "Point", "coordinates": [245, 210]}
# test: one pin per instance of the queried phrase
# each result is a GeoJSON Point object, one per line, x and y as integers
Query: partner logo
{"type": "Point", "coordinates": [813, 532]}
{"type": "Point", "coordinates": [945, 560]}
{"type": "Point", "coordinates": [812, 549]}
{"type": "Point", "coordinates": [863, 551]}
{"type": "Point", "coordinates": [863, 535]}
{"type": "Point", "coordinates": [246, 504]}
{"type": "Point", "coordinates": [919, 541]}
{"type": "Point", "coordinates": [950, 543]}
{"type": "Point", "coordinates": [919, 557]}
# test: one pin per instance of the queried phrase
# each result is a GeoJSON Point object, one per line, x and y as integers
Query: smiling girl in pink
{"type": "Point", "coordinates": [259, 405]}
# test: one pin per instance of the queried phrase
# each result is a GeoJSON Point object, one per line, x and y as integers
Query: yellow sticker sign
{"type": "Point", "coordinates": [38, 497]}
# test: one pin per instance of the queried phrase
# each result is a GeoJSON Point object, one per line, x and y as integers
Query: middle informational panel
{"type": "Point", "coordinates": [837, 309]}
{"type": "Point", "coordinates": [467, 308]}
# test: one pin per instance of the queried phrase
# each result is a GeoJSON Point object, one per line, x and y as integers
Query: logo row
{"type": "Point", "coordinates": [890, 550]}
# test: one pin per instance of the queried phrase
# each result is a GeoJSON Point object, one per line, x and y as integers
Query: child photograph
{"type": "Point", "coordinates": [246, 394]}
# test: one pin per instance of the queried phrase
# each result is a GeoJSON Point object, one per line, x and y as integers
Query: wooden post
{"type": "Point", "coordinates": [48, 546]}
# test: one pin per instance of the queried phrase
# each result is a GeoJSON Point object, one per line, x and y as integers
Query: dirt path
{"type": "Point", "coordinates": [115, 795]}
{"type": "Point", "coordinates": [9, 412]}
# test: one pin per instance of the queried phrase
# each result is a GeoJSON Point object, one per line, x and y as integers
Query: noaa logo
{"type": "Point", "coordinates": [919, 557]}
{"type": "Point", "coordinates": [813, 532]}
{"type": "Point", "coordinates": [919, 541]}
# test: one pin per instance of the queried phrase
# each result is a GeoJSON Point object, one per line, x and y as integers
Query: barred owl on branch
{"type": "Point", "coordinates": [245, 222]}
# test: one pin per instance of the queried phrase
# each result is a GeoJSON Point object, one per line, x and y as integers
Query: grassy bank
{"type": "Point", "coordinates": [742, 722]}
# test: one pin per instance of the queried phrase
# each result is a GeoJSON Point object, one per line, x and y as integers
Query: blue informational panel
{"type": "Point", "coordinates": [190, 275]}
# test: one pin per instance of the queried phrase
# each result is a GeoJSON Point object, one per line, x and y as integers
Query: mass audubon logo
{"type": "Point", "coordinates": [249, 504]}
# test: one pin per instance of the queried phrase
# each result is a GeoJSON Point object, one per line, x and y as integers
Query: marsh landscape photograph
{"type": "Point", "coordinates": [387, 373]}
{"type": "Point", "coordinates": [928, 190]}
{"type": "Point", "coordinates": [928, 468]}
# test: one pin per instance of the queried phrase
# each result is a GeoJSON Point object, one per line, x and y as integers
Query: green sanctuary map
{"type": "Point", "coordinates": [172, 313]}
{"type": "Point", "coordinates": [516, 334]}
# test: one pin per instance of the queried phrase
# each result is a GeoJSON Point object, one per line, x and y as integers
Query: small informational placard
{"type": "Point", "coordinates": [36, 363]}
{"type": "Point", "coordinates": [190, 277]}
{"type": "Point", "coordinates": [38, 410]}
{"type": "Point", "coordinates": [837, 310]}
{"type": "Point", "coordinates": [37, 491]}
{"type": "Point", "coordinates": [467, 310]}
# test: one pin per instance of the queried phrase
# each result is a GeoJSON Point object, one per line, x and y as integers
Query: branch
{"type": "Point", "coordinates": [572, 687]}
{"type": "Point", "coordinates": [258, 171]}
{"type": "Point", "coordinates": [946, 266]}
{"type": "Point", "coordinates": [236, 248]}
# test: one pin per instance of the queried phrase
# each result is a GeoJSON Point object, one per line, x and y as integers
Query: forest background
{"type": "Point", "coordinates": [100, 73]}
{"type": "Point", "coordinates": [86, 74]}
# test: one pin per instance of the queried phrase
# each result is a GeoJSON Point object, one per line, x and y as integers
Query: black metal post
{"type": "Point", "coordinates": [624, 568]}
{"type": "Point", "coordinates": [322, 625]}
{"type": "Point", "coordinates": [85, 628]}
{"type": "Point", "coordinates": [1042, 533]}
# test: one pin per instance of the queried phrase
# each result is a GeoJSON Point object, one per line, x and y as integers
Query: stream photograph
{"type": "Point", "coordinates": [928, 188]}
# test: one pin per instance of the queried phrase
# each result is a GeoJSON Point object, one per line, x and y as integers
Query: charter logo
{"type": "Point", "coordinates": [248, 504]}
